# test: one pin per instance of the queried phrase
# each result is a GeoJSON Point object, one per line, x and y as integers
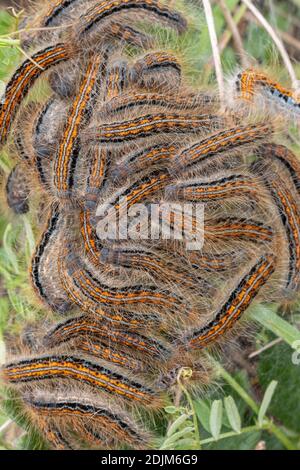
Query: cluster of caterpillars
{"type": "Point", "coordinates": [120, 125]}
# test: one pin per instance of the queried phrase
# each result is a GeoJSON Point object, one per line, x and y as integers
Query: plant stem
{"type": "Point", "coordinates": [215, 49]}
{"type": "Point", "coordinates": [237, 17]}
{"type": "Point", "coordinates": [280, 327]}
{"type": "Point", "coordinates": [273, 429]}
{"type": "Point", "coordinates": [226, 435]}
{"type": "Point", "coordinates": [277, 41]}
{"type": "Point", "coordinates": [268, 423]}
{"type": "Point", "coordinates": [236, 386]}
{"type": "Point", "coordinates": [5, 42]}
{"type": "Point", "coordinates": [191, 403]}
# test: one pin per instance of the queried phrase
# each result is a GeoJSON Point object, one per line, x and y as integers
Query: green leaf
{"type": "Point", "coordinates": [172, 440]}
{"type": "Point", "coordinates": [177, 424]}
{"type": "Point", "coordinates": [186, 444]}
{"type": "Point", "coordinates": [277, 364]}
{"type": "Point", "coordinates": [239, 442]}
{"type": "Point", "coordinates": [233, 414]}
{"type": "Point", "coordinates": [215, 420]}
{"type": "Point", "coordinates": [281, 328]}
{"type": "Point", "coordinates": [171, 410]}
{"type": "Point", "coordinates": [266, 401]}
{"type": "Point", "coordinates": [203, 413]}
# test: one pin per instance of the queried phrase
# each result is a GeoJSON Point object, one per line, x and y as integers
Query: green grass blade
{"type": "Point", "coordinates": [273, 322]}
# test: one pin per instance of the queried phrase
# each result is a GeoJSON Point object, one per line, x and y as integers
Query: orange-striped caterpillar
{"type": "Point", "coordinates": [156, 155]}
{"type": "Point", "coordinates": [106, 9]}
{"type": "Point", "coordinates": [210, 189]}
{"type": "Point", "coordinates": [151, 125]}
{"type": "Point", "coordinates": [250, 83]}
{"type": "Point", "coordinates": [216, 262]}
{"type": "Point", "coordinates": [122, 121]}
{"type": "Point", "coordinates": [86, 372]}
{"type": "Point", "coordinates": [230, 228]}
{"type": "Point", "coordinates": [139, 191]}
{"type": "Point", "coordinates": [167, 270]}
{"type": "Point", "coordinates": [42, 264]}
{"type": "Point", "coordinates": [69, 148]}
{"type": "Point", "coordinates": [107, 424]}
{"type": "Point", "coordinates": [117, 311]}
{"type": "Point", "coordinates": [128, 34]}
{"type": "Point", "coordinates": [58, 10]}
{"type": "Point", "coordinates": [157, 71]}
{"type": "Point", "coordinates": [23, 80]}
{"type": "Point", "coordinates": [230, 312]}
{"type": "Point", "coordinates": [223, 141]}
{"type": "Point", "coordinates": [116, 81]}
{"type": "Point", "coordinates": [126, 102]}
{"type": "Point", "coordinates": [131, 342]}
{"type": "Point", "coordinates": [290, 216]}
{"type": "Point", "coordinates": [286, 157]}
{"type": "Point", "coordinates": [99, 291]}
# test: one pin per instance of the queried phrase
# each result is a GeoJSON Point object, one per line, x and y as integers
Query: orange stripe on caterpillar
{"type": "Point", "coordinates": [69, 146]}
{"type": "Point", "coordinates": [216, 262]}
{"type": "Point", "coordinates": [80, 295]}
{"type": "Point", "coordinates": [86, 372]}
{"type": "Point", "coordinates": [100, 351]}
{"type": "Point", "coordinates": [249, 80]}
{"type": "Point", "coordinates": [151, 125]}
{"type": "Point", "coordinates": [134, 100]}
{"type": "Point", "coordinates": [221, 142]}
{"type": "Point", "coordinates": [290, 216]}
{"type": "Point", "coordinates": [91, 242]}
{"type": "Point", "coordinates": [96, 177]}
{"type": "Point", "coordinates": [209, 189]}
{"type": "Point", "coordinates": [157, 70]}
{"type": "Point", "coordinates": [116, 79]}
{"type": "Point", "coordinates": [100, 292]}
{"type": "Point", "coordinates": [109, 424]}
{"type": "Point", "coordinates": [236, 228]}
{"type": "Point", "coordinates": [156, 155]}
{"type": "Point", "coordinates": [107, 9]}
{"type": "Point", "coordinates": [286, 157]}
{"type": "Point", "coordinates": [119, 339]}
{"type": "Point", "coordinates": [52, 434]}
{"type": "Point", "coordinates": [229, 228]}
{"type": "Point", "coordinates": [239, 300]}
{"type": "Point", "coordinates": [135, 193]}
{"type": "Point", "coordinates": [147, 260]}
{"type": "Point", "coordinates": [127, 34]}
{"type": "Point", "coordinates": [58, 10]}
{"type": "Point", "coordinates": [24, 78]}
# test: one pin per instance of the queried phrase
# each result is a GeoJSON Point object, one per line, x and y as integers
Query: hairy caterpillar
{"type": "Point", "coordinates": [122, 120]}
{"type": "Point", "coordinates": [78, 369]}
{"type": "Point", "coordinates": [219, 143]}
{"type": "Point", "coordinates": [247, 288]}
{"type": "Point", "coordinates": [70, 147]}
{"type": "Point", "coordinates": [24, 78]}
{"type": "Point", "coordinates": [17, 190]}
{"type": "Point", "coordinates": [250, 83]}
